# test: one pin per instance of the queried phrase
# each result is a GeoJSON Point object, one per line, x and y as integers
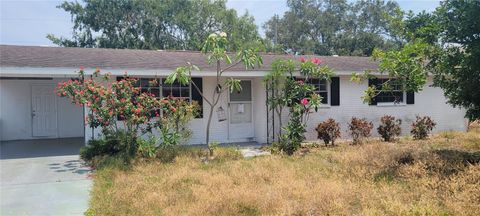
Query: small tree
{"type": "Point", "coordinates": [328, 131]}
{"type": "Point", "coordinates": [216, 49]}
{"type": "Point", "coordinates": [298, 95]}
{"type": "Point", "coordinates": [276, 83]}
{"type": "Point", "coordinates": [389, 128]}
{"type": "Point", "coordinates": [406, 67]}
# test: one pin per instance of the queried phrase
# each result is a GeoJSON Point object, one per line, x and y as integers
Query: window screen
{"type": "Point", "coordinates": [243, 95]}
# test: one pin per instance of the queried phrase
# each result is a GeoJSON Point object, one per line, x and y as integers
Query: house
{"type": "Point", "coordinates": [31, 110]}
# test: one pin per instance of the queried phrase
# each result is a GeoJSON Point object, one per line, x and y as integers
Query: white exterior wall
{"type": "Point", "coordinates": [259, 110]}
{"type": "Point", "coordinates": [16, 107]}
{"type": "Point", "coordinates": [220, 131]}
{"type": "Point", "coordinates": [430, 102]}
{"type": "Point", "coordinates": [16, 122]}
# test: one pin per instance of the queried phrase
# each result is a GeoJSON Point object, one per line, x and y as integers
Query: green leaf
{"type": "Point", "coordinates": [233, 84]}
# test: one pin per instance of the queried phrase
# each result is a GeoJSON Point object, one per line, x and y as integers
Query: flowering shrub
{"type": "Point", "coordinates": [389, 128]}
{"type": "Point", "coordinates": [422, 126]}
{"type": "Point", "coordinates": [173, 125]}
{"type": "Point", "coordinates": [138, 111]}
{"type": "Point", "coordinates": [359, 129]}
{"type": "Point", "coordinates": [298, 95]}
{"type": "Point", "coordinates": [328, 131]}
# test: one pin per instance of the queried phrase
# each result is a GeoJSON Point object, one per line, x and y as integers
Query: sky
{"type": "Point", "coordinates": [27, 22]}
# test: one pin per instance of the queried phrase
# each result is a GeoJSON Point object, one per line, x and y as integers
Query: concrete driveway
{"type": "Point", "coordinates": [43, 177]}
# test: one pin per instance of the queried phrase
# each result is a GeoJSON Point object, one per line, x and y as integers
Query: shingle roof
{"type": "Point", "coordinates": [38, 56]}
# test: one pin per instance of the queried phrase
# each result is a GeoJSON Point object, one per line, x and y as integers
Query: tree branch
{"type": "Point", "coordinates": [201, 93]}
{"type": "Point", "coordinates": [230, 66]}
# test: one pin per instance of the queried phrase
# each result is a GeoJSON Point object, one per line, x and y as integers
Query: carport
{"type": "Point", "coordinates": [30, 109]}
{"type": "Point", "coordinates": [43, 177]}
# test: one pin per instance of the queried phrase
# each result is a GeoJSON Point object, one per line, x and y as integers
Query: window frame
{"type": "Point", "coordinates": [327, 89]}
{"type": "Point", "coordinates": [379, 83]}
{"type": "Point", "coordinates": [180, 87]}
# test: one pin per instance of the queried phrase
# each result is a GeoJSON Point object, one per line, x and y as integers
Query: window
{"type": "Point", "coordinates": [149, 86]}
{"type": "Point", "coordinates": [176, 90]}
{"type": "Point", "coordinates": [157, 87]}
{"type": "Point", "coordinates": [394, 94]}
{"type": "Point", "coordinates": [321, 88]}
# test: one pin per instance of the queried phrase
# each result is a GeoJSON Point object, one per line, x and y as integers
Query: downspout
{"type": "Point", "coordinates": [93, 129]}
{"type": "Point", "coordinates": [268, 113]}
{"type": "Point", "coordinates": [83, 113]}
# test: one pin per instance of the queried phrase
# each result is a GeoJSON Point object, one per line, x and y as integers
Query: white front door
{"type": "Point", "coordinates": [240, 113]}
{"type": "Point", "coordinates": [44, 111]}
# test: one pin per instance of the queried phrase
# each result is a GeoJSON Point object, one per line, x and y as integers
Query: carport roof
{"type": "Point", "coordinates": [67, 57]}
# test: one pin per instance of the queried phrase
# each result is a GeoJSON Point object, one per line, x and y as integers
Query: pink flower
{"type": "Point", "coordinates": [300, 82]}
{"type": "Point", "coordinates": [304, 101]}
{"type": "Point", "coordinates": [316, 61]}
{"type": "Point", "coordinates": [302, 59]}
{"type": "Point", "coordinates": [138, 111]}
{"type": "Point", "coordinates": [82, 68]}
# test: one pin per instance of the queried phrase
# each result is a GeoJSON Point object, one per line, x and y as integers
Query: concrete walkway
{"type": "Point", "coordinates": [248, 152]}
{"type": "Point", "coordinates": [43, 177]}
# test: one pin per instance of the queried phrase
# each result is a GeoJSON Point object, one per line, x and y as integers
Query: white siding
{"type": "Point", "coordinates": [15, 111]}
{"type": "Point", "coordinates": [429, 102]}
{"type": "Point", "coordinates": [219, 131]}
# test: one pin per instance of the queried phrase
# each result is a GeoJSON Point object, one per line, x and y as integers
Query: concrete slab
{"type": "Point", "coordinates": [58, 184]}
{"type": "Point", "coordinates": [253, 152]}
{"type": "Point", "coordinates": [40, 148]}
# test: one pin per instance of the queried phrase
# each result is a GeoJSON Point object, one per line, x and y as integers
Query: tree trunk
{"type": "Point", "coordinates": [207, 138]}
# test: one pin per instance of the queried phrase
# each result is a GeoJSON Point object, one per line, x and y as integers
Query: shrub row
{"type": "Point", "coordinates": [360, 128]}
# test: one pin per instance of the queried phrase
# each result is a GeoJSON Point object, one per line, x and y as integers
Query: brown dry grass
{"type": "Point", "coordinates": [439, 176]}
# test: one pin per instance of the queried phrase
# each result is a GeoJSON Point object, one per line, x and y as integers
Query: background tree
{"type": "Point", "coordinates": [327, 27]}
{"type": "Point", "coordinates": [456, 64]}
{"type": "Point", "coordinates": [155, 24]}
{"type": "Point", "coordinates": [445, 43]}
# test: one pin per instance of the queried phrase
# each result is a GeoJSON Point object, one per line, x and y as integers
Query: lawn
{"type": "Point", "coordinates": [439, 176]}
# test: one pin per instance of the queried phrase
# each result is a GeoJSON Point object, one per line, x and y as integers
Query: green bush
{"type": "Point", "coordinates": [328, 131]}
{"type": "Point", "coordinates": [389, 128]}
{"type": "Point", "coordinates": [100, 147]}
{"type": "Point", "coordinates": [147, 148]}
{"type": "Point", "coordinates": [422, 127]}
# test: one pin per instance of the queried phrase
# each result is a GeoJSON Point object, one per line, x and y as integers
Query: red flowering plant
{"type": "Point", "coordinates": [173, 124]}
{"type": "Point", "coordinates": [108, 101]}
{"type": "Point", "coordinates": [298, 95]}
